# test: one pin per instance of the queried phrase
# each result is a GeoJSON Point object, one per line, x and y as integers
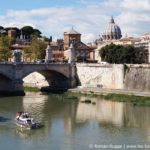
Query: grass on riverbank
{"type": "Point", "coordinates": [31, 89]}
{"type": "Point", "coordinates": [136, 100]}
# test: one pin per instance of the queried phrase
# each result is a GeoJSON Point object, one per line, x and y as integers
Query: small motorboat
{"type": "Point", "coordinates": [24, 120]}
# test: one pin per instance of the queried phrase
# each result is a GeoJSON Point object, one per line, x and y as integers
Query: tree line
{"type": "Point", "coordinates": [34, 51]}
{"type": "Point", "coordinates": [27, 31]}
{"type": "Point", "coordinates": [120, 54]}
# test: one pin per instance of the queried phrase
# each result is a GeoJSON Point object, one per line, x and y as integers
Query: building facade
{"type": "Point", "coordinates": [82, 51]}
{"type": "Point", "coordinates": [70, 35]}
{"type": "Point", "coordinates": [144, 43]}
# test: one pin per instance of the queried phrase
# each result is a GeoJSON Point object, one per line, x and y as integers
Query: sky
{"type": "Point", "coordinates": [88, 17]}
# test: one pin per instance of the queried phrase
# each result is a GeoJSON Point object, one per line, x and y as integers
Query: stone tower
{"type": "Point", "coordinates": [72, 34]}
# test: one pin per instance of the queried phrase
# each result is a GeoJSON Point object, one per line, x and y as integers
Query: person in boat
{"type": "Point", "coordinates": [22, 114]}
{"type": "Point", "coordinates": [24, 118]}
{"type": "Point", "coordinates": [26, 115]}
{"type": "Point", "coordinates": [18, 114]}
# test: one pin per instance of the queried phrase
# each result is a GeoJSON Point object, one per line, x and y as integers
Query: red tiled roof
{"type": "Point", "coordinates": [82, 46]}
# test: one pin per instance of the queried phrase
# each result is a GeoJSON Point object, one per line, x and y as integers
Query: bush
{"type": "Point", "coordinates": [120, 54]}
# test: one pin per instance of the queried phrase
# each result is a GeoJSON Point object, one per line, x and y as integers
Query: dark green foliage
{"type": "Point", "coordinates": [29, 31]}
{"type": "Point", "coordinates": [36, 32]}
{"type": "Point", "coordinates": [1, 27]}
{"type": "Point", "coordinates": [122, 54]}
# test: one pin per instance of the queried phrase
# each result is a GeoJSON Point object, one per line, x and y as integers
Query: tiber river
{"type": "Point", "coordinates": [72, 125]}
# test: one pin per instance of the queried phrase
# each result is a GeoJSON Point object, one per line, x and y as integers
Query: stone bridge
{"type": "Point", "coordinates": [57, 75]}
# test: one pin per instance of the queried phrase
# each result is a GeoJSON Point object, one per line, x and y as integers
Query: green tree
{"type": "Point", "coordinates": [27, 54]}
{"type": "Point", "coordinates": [122, 54]}
{"type": "Point", "coordinates": [29, 31]}
{"type": "Point", "coordinates": [36, 49]}
{"type": "Point", "coordinates": [5, 51]}
{"type": "Point", "coordinates": [36, 32]}
{"type": "Point", "coordinates": [1, 27]}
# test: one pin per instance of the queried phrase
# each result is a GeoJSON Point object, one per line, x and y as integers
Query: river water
{"type": "Point", "coordinates": [70, 124]}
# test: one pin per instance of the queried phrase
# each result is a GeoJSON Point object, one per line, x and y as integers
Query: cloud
{"type": "Point", "coordinates": [136, 5]}
{"type": "Point", "coordinates": [135, 16]}
{"type": "Point", "coordinates": [90, 19]}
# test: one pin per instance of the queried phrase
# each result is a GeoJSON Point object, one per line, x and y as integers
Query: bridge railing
{"type": "Point", "coordinates": [8, 62]}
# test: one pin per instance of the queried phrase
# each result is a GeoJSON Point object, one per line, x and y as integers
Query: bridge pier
{"type": "Point", "coordinates": [73, 76]}
{"type": "Point", "coordinates": [56, 84]}
{"type": "Point", "coordinates": [12, 88]}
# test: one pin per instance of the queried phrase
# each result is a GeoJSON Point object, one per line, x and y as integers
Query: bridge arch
{"type": "Point", "coordinates": [54, 78]}
{"type": "Point", "coordinates": [58, 75]}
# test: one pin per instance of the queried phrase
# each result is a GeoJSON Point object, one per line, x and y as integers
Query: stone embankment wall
{"type": "Point", "coordinates": [137, 77]}
{"type": "Point", "coordinates": [113, 76]}
{"type": "Point", "coordinates": [98, 75]}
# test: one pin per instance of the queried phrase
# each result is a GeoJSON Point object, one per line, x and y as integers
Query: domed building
{"type": "Point", "coordinates": [113, 31]}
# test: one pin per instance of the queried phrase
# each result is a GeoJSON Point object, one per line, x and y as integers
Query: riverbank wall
{"type": "Point", "coordinates": [98, 75]}
{"type": "Point", "coordinates": [137, 77]}
{"type": "Point", "coordinates": [114, 76]}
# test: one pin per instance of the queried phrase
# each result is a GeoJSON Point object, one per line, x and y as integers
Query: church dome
{"type": "Point", "coordinates": [112, 32]}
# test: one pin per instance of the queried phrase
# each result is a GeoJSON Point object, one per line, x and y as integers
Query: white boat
{"type": "Point", "coordinates": [24, 120]}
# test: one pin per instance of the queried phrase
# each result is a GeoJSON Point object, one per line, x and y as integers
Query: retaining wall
{"type": "Point", "coordinates": [103, 76]}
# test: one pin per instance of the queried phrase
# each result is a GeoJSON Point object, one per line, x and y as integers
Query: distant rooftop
{"type": "Point", "coordinates": [148, 33]}
{"type": "Point", "coordinates": [72, 31]}
{"type": "Point", "coordinates": [130, 39]}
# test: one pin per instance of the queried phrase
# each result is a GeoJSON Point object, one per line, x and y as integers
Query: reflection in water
{"type": "Point", "coordinates": [71, 125]}
{"type": "Point", "coordinates": [105, 112]}
{"type": "Point", "coordinates": [47, 109]}
{"type": "Point", "coordinates": [114, 113]}
{"type": "Point", "coordinates": [135, 116]}
{"type": "Point", "coordinates": [25, 134]}
{"type": "Point", "coordinates": [35, 104]}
